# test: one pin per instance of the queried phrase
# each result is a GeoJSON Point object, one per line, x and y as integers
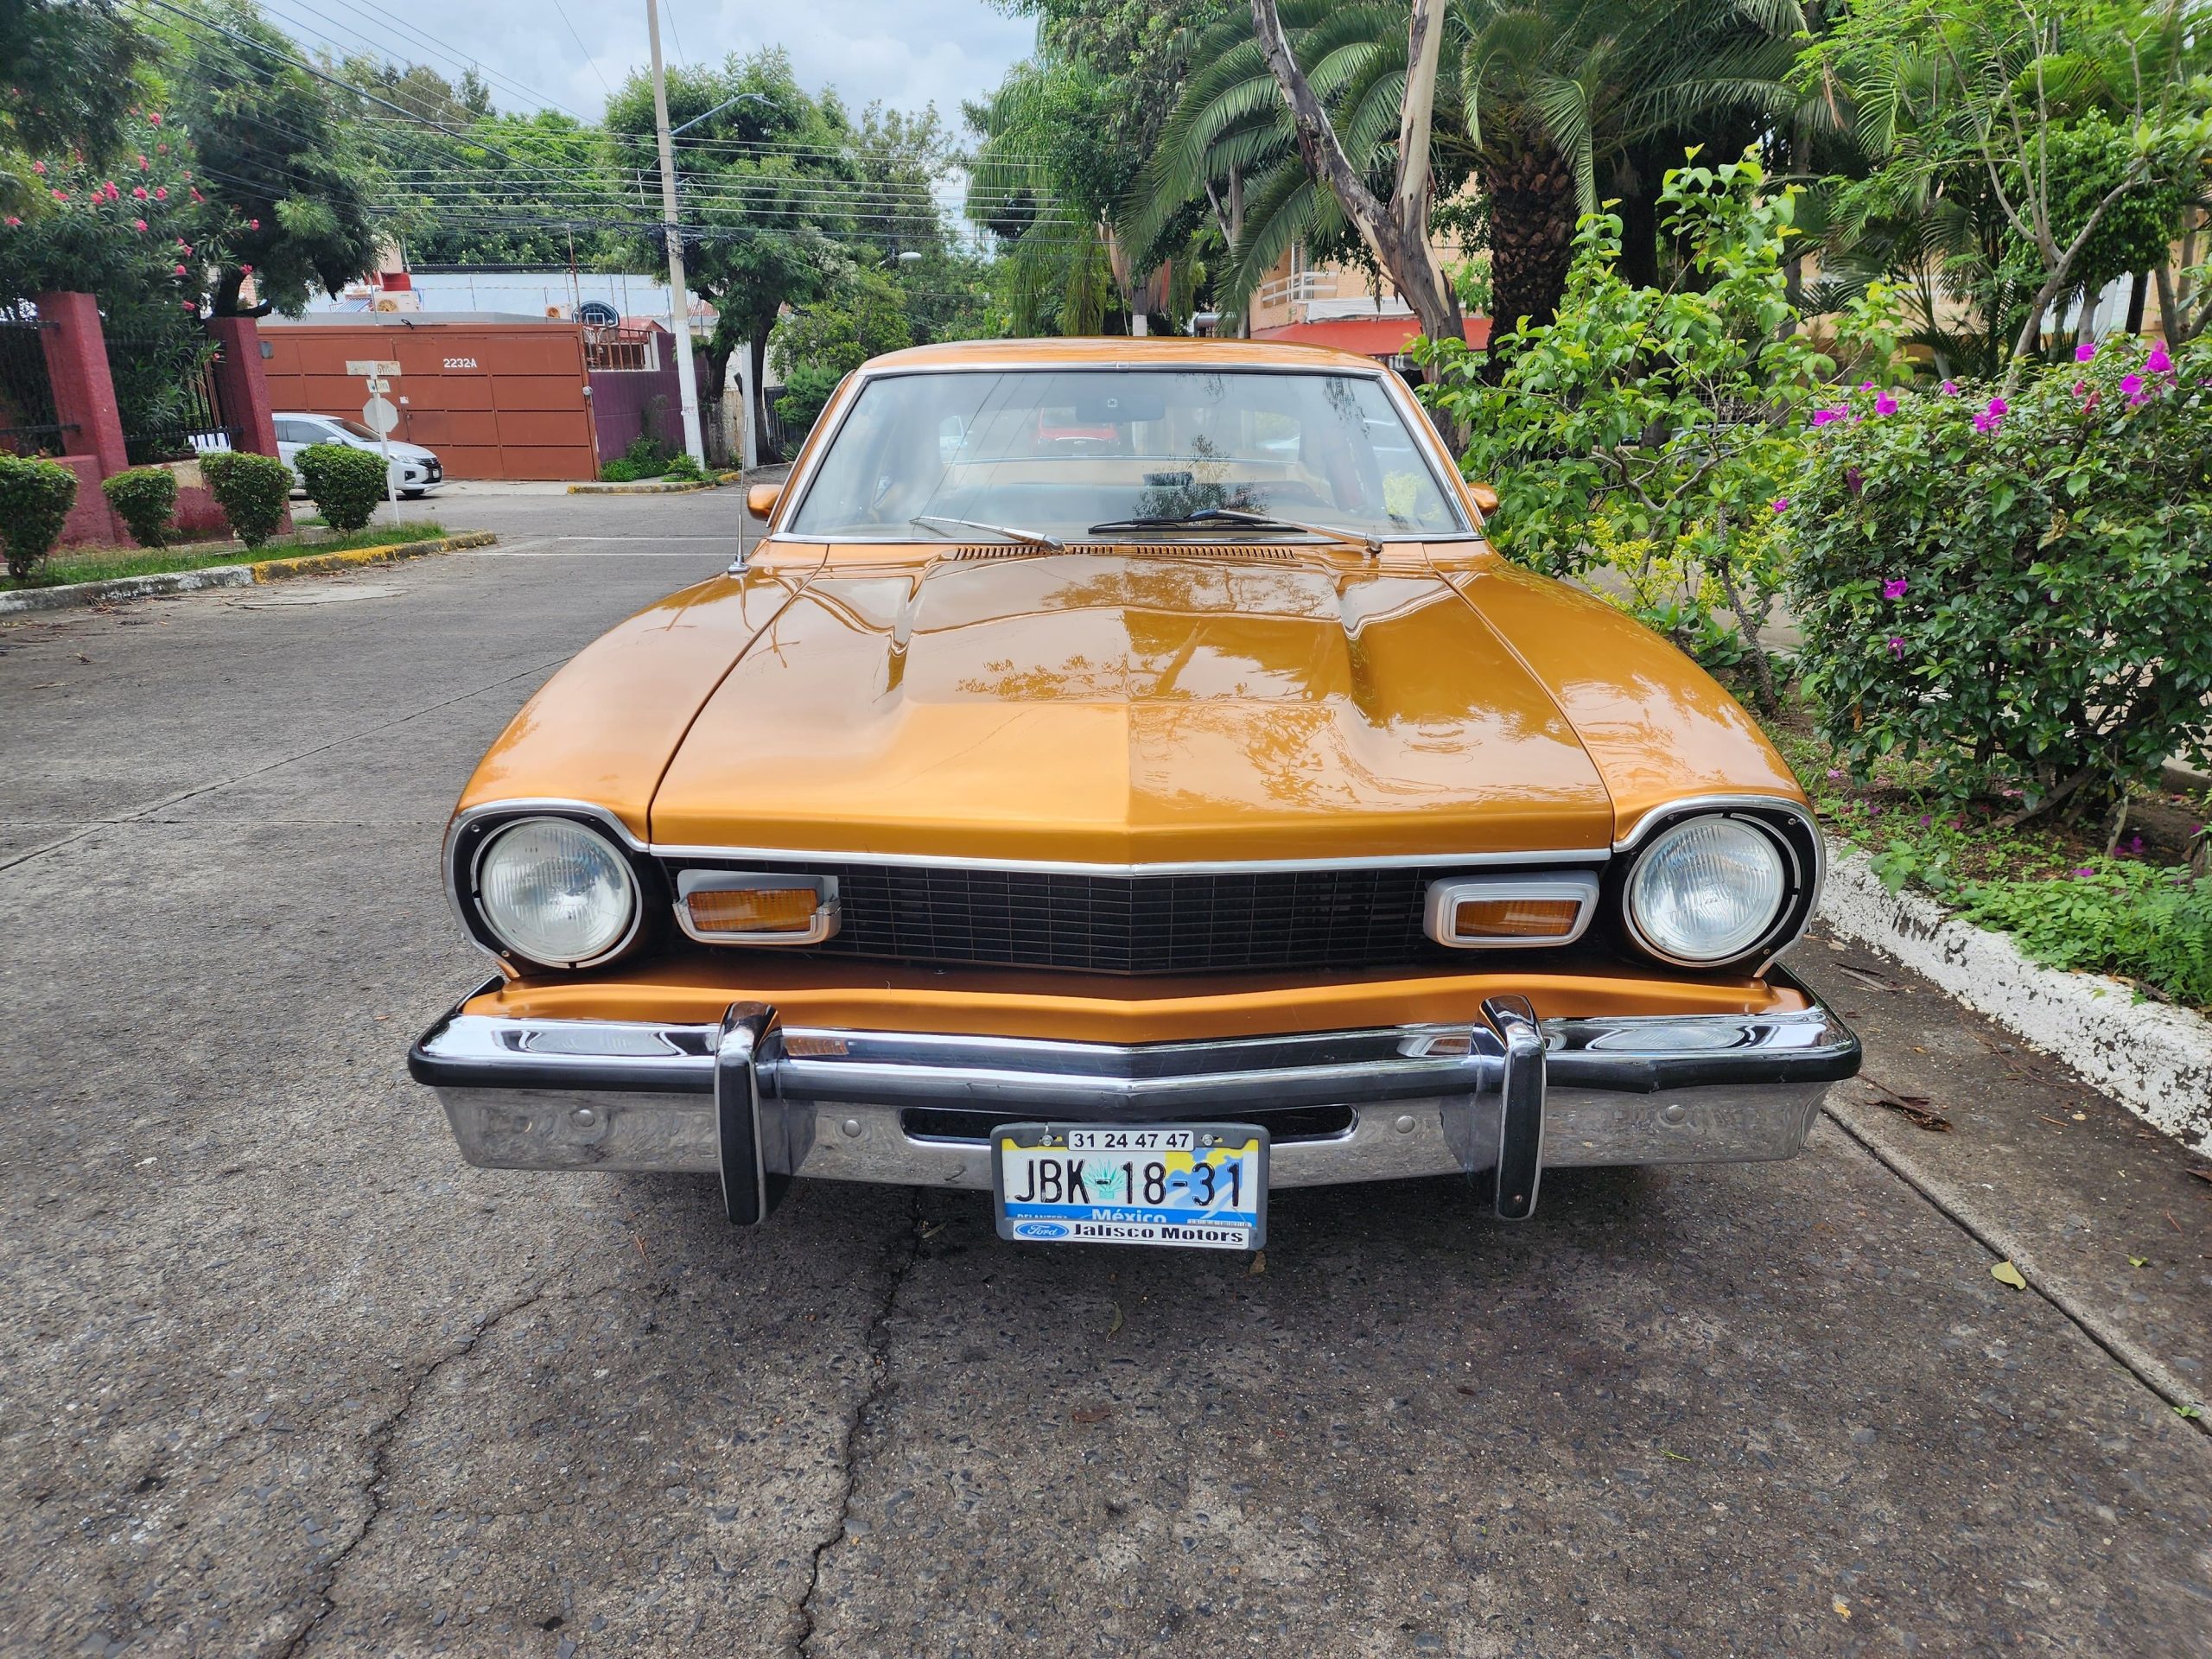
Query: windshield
{"type": "Point", "coordinates": [354, 427]}
{"type": "Point", "coordinates": [1055, 452]}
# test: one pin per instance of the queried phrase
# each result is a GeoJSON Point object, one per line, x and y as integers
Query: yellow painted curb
{"type": "Point", "coordinates": [322, 564]}
{"type": "Point", "coordinates": [645, 487]}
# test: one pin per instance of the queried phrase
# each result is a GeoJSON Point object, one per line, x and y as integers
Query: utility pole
{"type": "Point", "coordinates": [679, 295]}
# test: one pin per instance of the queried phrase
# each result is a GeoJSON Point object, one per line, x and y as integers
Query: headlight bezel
{"type": "Point", "coordinates": [1787, 825]}
{"type": "Point", "coordinates": [473, 834]}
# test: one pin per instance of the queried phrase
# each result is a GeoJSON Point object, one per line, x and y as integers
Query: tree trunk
{"type": "Point", "coordinates": [1636, 184]}
{"type": "Point", "coordinates": [1531, 191]}
{"type": "Point", "coordinates": [757, 352]}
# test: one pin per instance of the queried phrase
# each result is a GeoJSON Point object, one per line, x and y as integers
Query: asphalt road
{"type": "Point", "coordinates": [279, 1375]}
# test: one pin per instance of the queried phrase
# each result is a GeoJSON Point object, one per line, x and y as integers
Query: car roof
{"type": "Point", "coordinates": [1123, 352]}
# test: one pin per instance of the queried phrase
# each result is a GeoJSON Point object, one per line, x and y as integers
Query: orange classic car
{"type": "Point", "coordinates": [1130, 827]}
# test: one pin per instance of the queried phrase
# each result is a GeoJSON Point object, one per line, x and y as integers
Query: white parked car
{"type": "Point", "coordinates": [415, 470]}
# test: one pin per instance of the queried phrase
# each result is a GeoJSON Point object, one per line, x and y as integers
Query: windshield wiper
{"type": "Point", "coordinates": [1207, 516]}
{"type": "Point", "coordinates": [1031, 538]}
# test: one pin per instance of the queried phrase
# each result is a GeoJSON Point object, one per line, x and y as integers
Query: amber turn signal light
{"type": "Point", "coordinates": [1498, 913]}
{"type": "Point", "coordinates": [724, 908]}
{"type": "Point", "coordinates": [1515, 918]}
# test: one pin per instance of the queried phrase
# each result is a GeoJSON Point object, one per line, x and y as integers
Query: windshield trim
{"type": "Point", "coordinates": [1448, 483]}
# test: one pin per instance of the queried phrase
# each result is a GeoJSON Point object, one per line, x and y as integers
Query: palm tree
{"type": "Point", "coordinates": [1552, 106]}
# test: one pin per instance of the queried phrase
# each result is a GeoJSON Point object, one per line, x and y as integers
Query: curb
{"type": "Point", "coordinates": [646, 486]}
{"type": "Point", "coordinates": [162, 583]}
{"type": "Point", "coordinates": [2154, 1058]}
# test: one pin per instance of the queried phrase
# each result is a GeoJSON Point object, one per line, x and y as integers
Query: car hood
{"type": "Point", "coordinates": [406, 451]}
{"type": "Point", "coordinates": [1130, 707]}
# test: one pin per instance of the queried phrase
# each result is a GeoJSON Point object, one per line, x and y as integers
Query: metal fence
{"type": "Point", "coordinates": [29, 423]}
{"type": "Point", "coordinates": [166, 391]}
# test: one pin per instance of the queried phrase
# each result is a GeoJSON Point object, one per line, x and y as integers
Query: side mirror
{"type": "Point", "coordinates": [1485, 499]}
{"type": "Point", "coordinates": [760, 499]}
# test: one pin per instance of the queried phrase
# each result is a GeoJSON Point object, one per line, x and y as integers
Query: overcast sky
{"type": "Point", "coordinates": [907, 52]}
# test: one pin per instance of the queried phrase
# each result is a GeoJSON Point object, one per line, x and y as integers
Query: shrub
{"type": "Point", "coordinates": [2115, 916]}
{"type": "Point", "coordinates": [2016, 590]}
{"type": "Point", "coordinates": [344, 483]}
{"type": "Point", "coordinates": [252, 490]}
{"type": "Point", "coordinates": [648, 453]}
{"type": "Point", "coordinates": [1656, 430]}
{"type": "Point", "coordinates": [145, 498]}
{"type": "Point", "coordinates": [621, 470]}
{"type": "Point", "coordinates": [681, 469]}
{"type": "Point", "coordinates": [35, 497]}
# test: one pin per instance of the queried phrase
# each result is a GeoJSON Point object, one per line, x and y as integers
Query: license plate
{"type": "Point", "coordinates": [1189, 1186]}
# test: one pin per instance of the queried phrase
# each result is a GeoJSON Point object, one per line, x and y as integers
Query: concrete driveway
{"type": "Point", "coordinates": [279, 1375]}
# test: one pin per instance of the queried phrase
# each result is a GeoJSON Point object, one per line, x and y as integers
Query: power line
{"type": "Point", "coordinates": [437, 47]}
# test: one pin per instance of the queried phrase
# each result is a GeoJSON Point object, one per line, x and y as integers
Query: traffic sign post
{"type": "Point", "coordinates": [379, 415]}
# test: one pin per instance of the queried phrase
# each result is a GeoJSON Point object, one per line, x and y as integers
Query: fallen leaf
{"type": "Point", "coordinates": [1117, 1325]}
{"type": "Point", "coordinates": [1091, 1414]}
{"type": "Point", "coordinates": [1464, 1388]}
{"type": "Point", "coordinates": [2139, 1260]}
{"type": "Point", "coordinates": [2005, 1274]}
{"type": "Point", "coordinates": [1842, 1607]}
{"type": "Point", "coordinates": [2202, 1174]}
{"type": "Point", "coordinates": [1259, 1261]}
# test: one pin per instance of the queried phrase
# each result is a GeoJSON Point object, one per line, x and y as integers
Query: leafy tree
{"type": "Point", "coordinates": [816, 348]}
{"type": "Point", "coordinates": [2007, 135]}
{"type": "Point", "coordinates": [764, 188]}
{"type": "Point", "coordinates": [276, 149]}
{"type": "Point", "coordinates": [512, 189]}
{"type": "Point", "coordinates": [72, 75]}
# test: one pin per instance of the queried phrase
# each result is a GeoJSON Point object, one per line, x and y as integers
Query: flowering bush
{"type": "Point", "coordinates": [2018, 590]}
{"type": "Point", "coordinates": [1655, 431]}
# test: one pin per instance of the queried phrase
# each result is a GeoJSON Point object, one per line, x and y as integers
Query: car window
{"type": "Point", "coordinates": [1059, 450]}
{"type": "Point", "coordinates": [353, 426]}
{"type": "Point", "coordinates": [292, 432]}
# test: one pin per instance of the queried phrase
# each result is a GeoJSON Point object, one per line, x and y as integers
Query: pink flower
{"type": "Point", "coordinates": [1823, 416]}
{"type": "Point", "coordinates": [1865, 386]}
{"type": "Point", "coordinates": [1894, 588]}
{"type": "Point", "coordinates": [1988, 420]}
{"type": "Point", "coordinates": [12, 221]}
{"type": "Point", "coordinates": [2084, 869]}
{"type": "Point", "coordinates": [1896, 647]}
{"type": "Point", "coordinates": [153, 118]}
{"type": "Point", "coordinates": [1782, 503]}
{"type": "Point", "coordinates": [2081, 388]}
{"type": "Point", "coordinates": [58, 195]}
{"type": "Point", "coordinates": [144, 163]}
{"type": "Point", "coordinates": [245, 271]}
{"type": "Point", "coordinates": [253, 224]}
{"type": "Point", "coordinates": [138, 191]}
{"type": "Point", "coordinates": [196, 196]}
{"type": "Point", "coordinates": [1950, 388]}
{"type": "Point", "coordinates": [1885, 404]}
{"type": "Point", "coordinates": [179, 271]}
{"type": "Point", "coordinates": [137, 223]}
{"type": "Point", "coordinates": [1835, 772]}
{"type": "Point", "coordinates": [161, 193]}
{"type": "Point", "coordinates": [2086, 352]}
{"type": "Point", "coordinates": [2131, 385]}
{"type": "Point", "coordinates": [2000, 408]}
{"type": "Point", "coordinates": [2159, 362]}
{"type": "Point", "coordinates": [160, 149]}
{"type": "Point", "coordinates": [192, 305]}
{"type": "Point", "coordinates": [38, 168]}
{"type": "Point", "coordinates": [186, 245]}
{"type": "Point", "coordinates": [1854, 479]}
{"type": "Point", "coordinates": [113, 192]}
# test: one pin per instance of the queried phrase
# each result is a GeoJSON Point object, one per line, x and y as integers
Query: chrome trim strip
{"type": "Point", "coordinates": [1690, 803]}
{"type": "Point", "coordinates": [1192, 867]}
{"type": "Point", "coordinates": [824, 888]}
{"type": "Point", "coordinates": [1441, 908]}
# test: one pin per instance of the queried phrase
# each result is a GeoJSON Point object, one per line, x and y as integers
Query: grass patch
{"type": "Point", "coordinates": [106, 564]}
{"type": "Point", "coordinates": [2142, 912]}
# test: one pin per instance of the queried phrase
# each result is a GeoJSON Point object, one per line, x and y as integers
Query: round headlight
{"type": "Point", "coordinates": [556, 892]}
{"type": "Point", "coordinates": [1706, 890]}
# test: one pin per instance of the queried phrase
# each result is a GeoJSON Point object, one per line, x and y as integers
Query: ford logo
{"type": "Point", "coordinates": [1040, 1229]}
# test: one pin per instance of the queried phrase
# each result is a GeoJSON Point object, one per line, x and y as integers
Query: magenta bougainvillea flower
{"type": "Point", "coordinates": [1950, 388]}
{"type": "Point", "coordinates": [1782, 503]}
{"type": "Point", "coordinates": [1894, 588]}
{"type": "Point", "coordinates": [1823, 416]}
{"type": "Point", "coordinates": [1865, 386]}
{"type": "Point", "coordinates": [1896, 647]}
{"type": "Point", "coordinates": [1854, 479]}
{"type": "Point", "coordinates": [2086, 352]}
{"type": "Point", "coordinates": [1988, 420]}
{"type": "Point", "coordinates": [2159, 362]}
{"type": "Point", "coordinates": [1885, 404]}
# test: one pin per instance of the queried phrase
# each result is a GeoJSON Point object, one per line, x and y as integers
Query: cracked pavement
{"type": "Point", "coordinates": [281, 1376]}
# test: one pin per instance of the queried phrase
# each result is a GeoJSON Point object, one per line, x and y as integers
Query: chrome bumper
{"type": "Point", "coordinates": [758, 1103]}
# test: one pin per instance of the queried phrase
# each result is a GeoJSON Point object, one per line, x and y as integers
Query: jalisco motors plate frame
{"type": "Point", "coordinates": [1028, 1135]}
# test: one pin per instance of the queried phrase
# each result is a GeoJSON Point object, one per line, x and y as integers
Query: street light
{"type": "Point", "coordinates": [679, 293]}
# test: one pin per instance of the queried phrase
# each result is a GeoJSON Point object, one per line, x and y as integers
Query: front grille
{"type": "Point", "coordinates": [1131, 924]}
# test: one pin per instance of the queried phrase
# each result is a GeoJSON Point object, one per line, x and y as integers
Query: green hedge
{"type": "Point", "coordinates": [35, 497]}
{"type": "Point", "coordinates": [344, 483]}
{"type": "Point", "coordinates": [145, 498]}
{"type": "Point", "coordinates": [252, 490]}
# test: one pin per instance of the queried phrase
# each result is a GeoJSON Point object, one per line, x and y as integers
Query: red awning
{"type": "Point", "coordinates": [1381, 338]}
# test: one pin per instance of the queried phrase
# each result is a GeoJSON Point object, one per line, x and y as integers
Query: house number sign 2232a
{"type": "Point", "coordinates": [460, 362]}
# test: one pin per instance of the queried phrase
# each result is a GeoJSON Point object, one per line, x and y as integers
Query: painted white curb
{"type": "Point", "coordinates": [91, 593]}
{"type": "Point", "coordinates": [2154, 1058]}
